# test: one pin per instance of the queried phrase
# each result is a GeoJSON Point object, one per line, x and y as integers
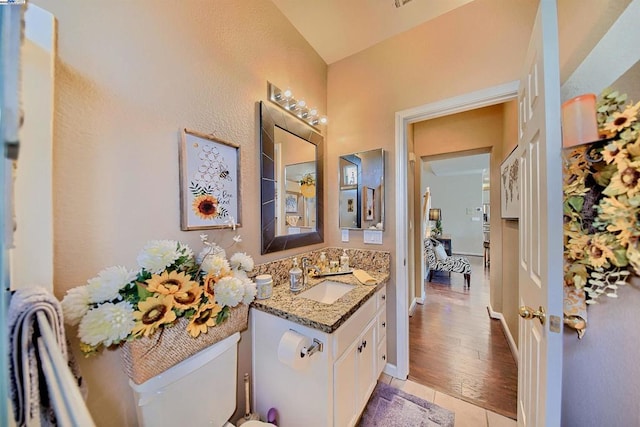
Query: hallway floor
{"type": "Point", "coordinates": [456, 348]}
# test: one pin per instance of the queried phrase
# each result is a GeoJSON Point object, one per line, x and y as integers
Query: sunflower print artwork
{"type": "Point", "coordinates": [208, 184]}
{"type": "Point", "coordinates": [205, 206]}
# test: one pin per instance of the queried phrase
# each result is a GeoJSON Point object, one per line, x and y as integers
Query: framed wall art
{"type": "Point", "coordinates": [291, 203]}
{"type": "Point", "coordinates": [209, 182]}
{"type": "Point", "coordinates": [510, 186]}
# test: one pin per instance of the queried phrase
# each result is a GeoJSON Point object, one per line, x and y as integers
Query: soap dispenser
{"type": "Point", "coordinates": [295, 277]}
{"type": "Point", "coordinates": [344, 261]}
{"type": "Point", "coordinates": [323, 263]}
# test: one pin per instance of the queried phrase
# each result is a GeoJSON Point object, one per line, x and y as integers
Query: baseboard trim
{"type": "Point", "coordinates": [512, 344]}
{"type": "Point", "coordinates": [412, 307]}
{"type": "Point", "coordinates": [391, 370]}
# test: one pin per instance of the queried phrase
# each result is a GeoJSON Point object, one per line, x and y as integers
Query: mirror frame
{"type": "Point", "coordinates": [270, 117]}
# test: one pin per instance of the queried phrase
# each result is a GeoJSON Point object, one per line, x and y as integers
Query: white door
{"type": "Point", "coordinates": [540, 269]}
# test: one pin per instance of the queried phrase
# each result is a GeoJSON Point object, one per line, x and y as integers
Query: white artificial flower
{"type": "Point", "coordinates": [240, 274]}
{"type": "Point", "coordinates": [229, 291]}
{"type": "Point", "coordinates": [107, 324]}
{"type": "Point", "coordinates": [107, 284]}
{"type": "Point", "coordinates": [157, 255]}
{"type": "Point", "coordinates": [241, 261]}
{"type": "Point", "coordinates": [75, 304]}
{"type": "Point", "coordinates": [215, 264]}
{"type": "Point", "coordinates": [250, 291]}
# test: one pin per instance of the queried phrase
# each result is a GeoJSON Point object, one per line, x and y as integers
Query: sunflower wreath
{"type": "Point", "coordinates": [602, 202]}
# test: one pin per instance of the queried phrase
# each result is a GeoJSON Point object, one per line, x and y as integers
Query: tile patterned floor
{"type": "Point", "coordinates": [467, 415]}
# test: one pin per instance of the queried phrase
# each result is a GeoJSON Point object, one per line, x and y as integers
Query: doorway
{"type": "Point", "coordinates": [455, 347]}
{"type": "Point", "coordinates": [405, 122]}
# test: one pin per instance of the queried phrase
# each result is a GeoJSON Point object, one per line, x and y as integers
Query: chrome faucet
{"type": "Point", "coordinates": [305, 271]}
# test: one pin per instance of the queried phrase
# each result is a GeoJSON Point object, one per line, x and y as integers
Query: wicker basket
{"type": "Point", "coordinates": [147, 357]}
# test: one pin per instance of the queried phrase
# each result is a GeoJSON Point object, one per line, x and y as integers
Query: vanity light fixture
{"type": "Point", "coordinates": [298, 107]}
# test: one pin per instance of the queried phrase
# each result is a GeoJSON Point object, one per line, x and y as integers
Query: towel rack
{"type": "Point", "coordinates": [64, 393]}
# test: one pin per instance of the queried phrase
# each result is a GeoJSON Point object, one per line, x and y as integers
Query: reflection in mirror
{"type": "Point", "coordinates": [295, 171]}
{"type": "Point", "coordinates": [291, 181]}
{"type": "Point", "coordinates": [362, 190]}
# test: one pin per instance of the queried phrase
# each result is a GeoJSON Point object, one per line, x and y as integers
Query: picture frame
{"type": "Point", "coordinates": [291, 203]}
{"type": "Point", "coordinates": [350, 205]}
{"type": "Point", "coordinates": [368, 203]}
{"type": "Point", "coordinates": [510, 185]}
{"type": "Point", "coordinates": [209, 182]}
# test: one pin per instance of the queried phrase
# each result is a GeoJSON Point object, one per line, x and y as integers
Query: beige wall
{"type": "Point", "coordinates": [508, 260]}
{"type": "Point", "coordinates": [128, 78]}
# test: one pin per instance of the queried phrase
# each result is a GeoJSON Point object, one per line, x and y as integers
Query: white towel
{"type": "Point", "coordinates": [30, 400]}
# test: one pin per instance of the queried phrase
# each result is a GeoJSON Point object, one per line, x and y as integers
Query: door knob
{"type": "Point", "coordinates": [530, 313]}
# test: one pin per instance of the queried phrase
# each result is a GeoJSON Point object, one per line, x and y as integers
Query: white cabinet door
{"type": "Point", "coordinates": [366, 364]}
{"type": "Point", "coordinates": [344, 387]}
{"type": "Point", "coordinates": [354, 377]}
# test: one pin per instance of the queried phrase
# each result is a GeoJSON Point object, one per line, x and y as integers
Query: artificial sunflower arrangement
{"type": "Point", "coordinates": [308, 179]}
{"type": "Point", "coordinates": [602, 202]}
{"type": "Point", "coordinates": [308, 185]}
{"type": "Point", "coordinates": [170, 283]}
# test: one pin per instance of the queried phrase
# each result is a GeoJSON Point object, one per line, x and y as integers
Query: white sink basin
{"type": "Point", "coordinates": [327, 292]}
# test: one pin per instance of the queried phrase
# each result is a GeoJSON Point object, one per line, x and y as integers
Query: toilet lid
{"type": "Point", "coordinates": [255, 423]}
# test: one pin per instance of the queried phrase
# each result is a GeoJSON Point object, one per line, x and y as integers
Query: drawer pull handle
{"type": "Point", "coordinates": [384, 296]}
{"type": "Point", "coordinates": [360, 348]}
{"type": "Point", "coordinates": [384, 357]}
{"type": "Point", "coordinates": [384, 324]}
{"type": "Point", "coordinates": [364, 344]}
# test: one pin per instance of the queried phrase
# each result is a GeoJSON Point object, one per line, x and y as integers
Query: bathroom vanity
{"type": "Point", "coordinates": [330, 387]}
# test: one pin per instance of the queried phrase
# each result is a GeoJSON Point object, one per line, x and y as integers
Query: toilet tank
{"type": "Point", "coordinates": [199, 391]}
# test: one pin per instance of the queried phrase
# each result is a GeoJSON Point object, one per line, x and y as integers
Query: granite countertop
{"type": "Point", "coordinates": [324, 317]}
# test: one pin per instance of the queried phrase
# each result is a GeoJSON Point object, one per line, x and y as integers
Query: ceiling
{"type": "Point", "coordinates": [339, 28]}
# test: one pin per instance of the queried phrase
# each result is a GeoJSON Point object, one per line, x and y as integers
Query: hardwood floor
{"type": "Point", "coordinates": [456, 348]}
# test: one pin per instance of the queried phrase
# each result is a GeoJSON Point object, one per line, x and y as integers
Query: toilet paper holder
{"type": "Point", "coordinates": [308, 351]}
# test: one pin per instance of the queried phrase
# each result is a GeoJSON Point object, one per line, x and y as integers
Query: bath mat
{"type": "Point", "coordinates": [391, 407]}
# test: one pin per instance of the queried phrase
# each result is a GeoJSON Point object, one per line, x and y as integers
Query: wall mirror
{"type": "Point", "coordinates": [291, 181]}
{"type": "Point", "coordinates": [361, 190]}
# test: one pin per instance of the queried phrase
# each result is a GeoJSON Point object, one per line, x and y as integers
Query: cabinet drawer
{"type": "Point", "coordinates": [381, 297]}
{"type": "Point", "coordinates": [347, 333]}
{"type": "Point", "coordinates": [382, 324]}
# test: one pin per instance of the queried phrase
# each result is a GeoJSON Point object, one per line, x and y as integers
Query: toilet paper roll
{"type": "Point", "coordinates": [290, 350]}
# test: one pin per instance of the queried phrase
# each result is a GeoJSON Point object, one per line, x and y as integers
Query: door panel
{"type": "Point", "coordinates": [540, 258]}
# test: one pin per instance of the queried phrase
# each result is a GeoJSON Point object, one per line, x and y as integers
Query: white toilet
{"type": "Point", "coordinates": [199, 391]}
